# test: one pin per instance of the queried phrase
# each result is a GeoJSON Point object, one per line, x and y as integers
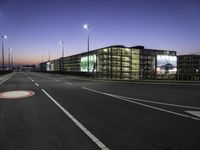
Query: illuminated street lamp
{"type": "Point", "coordinates": [87, 28]}
{"type": "Point", "coordinates": [62, 43]}
{"type": "Point", "coordinates": [62, 59]}
{"type": "Point", "coordinates": [3, 37]}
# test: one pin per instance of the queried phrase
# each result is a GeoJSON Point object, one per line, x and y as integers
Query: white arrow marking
{"type": "Point", "coordinates": [195, 113]}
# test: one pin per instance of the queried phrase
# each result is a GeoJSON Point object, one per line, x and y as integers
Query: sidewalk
{"type": "Point", "coordinates": [4, 77]}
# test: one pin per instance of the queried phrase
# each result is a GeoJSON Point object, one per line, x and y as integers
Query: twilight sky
{"type": "Point", "coordinates": [34, 27]}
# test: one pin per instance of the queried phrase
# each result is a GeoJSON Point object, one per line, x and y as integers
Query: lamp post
{"type": "Point", "coordinates": [3, 37]}
{"type": "Point", "coordinates": [11, 61]}
{"type": "Point", "coordinates": [62, 58]}
{"type": "Point", "coordinates": [62, 43]}
{"type": "Point", "coordinates": [87, 28]}
{"type": "Point", "coordinates": [49, 55]}
{"type": "Point", "coordinates": [9, 49]}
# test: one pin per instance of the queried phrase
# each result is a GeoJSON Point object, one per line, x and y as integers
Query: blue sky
{"type": "Point", "coordinates": [34, 27]}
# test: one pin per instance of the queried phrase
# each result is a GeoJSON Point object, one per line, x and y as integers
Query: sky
{"type": "Point", "coordinates": [35, 27]}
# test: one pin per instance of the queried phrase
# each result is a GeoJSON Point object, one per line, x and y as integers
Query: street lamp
{"type": "Point", "coordinates": [62, 59]}
{"type": "Point", "coordinates": [9, 49]}
{"type": "Point", "coordinates": [3, 37]}
{"type": "Point", "coordinates": [49, 55]}
{"type": "Point", "coordinates": [12, 60]}
{"type": "Point", "coordinates": [62, 43]}
{"type": "Point", "coordinates": [87, 28]}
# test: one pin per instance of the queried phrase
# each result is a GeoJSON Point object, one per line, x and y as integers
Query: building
{"type": "Point", "coordinates": [118, 62]}
{"type": "Point", "coordinates": [188, 67]}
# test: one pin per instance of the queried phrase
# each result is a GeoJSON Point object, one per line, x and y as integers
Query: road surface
{"type": "Point", "coordinates": [66, 113]}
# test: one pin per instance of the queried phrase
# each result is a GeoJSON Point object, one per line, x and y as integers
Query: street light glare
{"type": "Point", "coordinates": [4, 36]}
{"type": "Point", "coordinates": [61, 42]}
{"type": "Point", "coordinates": [86, 26]}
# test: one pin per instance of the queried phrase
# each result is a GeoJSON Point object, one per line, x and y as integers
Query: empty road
{"type": "Point", "coordinates": [41, 111]}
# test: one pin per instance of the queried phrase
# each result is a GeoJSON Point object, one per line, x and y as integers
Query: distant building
{"type": "Point", "coordinates": [118, 62]}
{"type": "Point", "coordinates": [188, 67]}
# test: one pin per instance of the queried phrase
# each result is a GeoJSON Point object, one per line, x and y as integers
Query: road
{"type": "Point", "coordinates": [67, 113]}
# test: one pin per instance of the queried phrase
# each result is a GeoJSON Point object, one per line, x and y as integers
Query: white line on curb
{"type": "Point", "coordinates": [138, 103]}
{"type": "Point", "coordinates": [87, 132]}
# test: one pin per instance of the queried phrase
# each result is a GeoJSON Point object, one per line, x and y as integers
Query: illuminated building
{"type": "Point", "coordinates": [188, 67]}
{"type": "Point", "coordinates": [118, 62]}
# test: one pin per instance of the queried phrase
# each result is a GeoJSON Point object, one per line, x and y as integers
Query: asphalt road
{"type": "Point", "coordinates": [68, 113]}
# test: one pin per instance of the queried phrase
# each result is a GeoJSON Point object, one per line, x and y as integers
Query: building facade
{"type": "Point", "coordinates": [119, 62]}
{"type": "Point", "coordinates": [188, 67]}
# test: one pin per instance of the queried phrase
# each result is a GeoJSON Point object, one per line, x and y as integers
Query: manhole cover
{"type": "Point", "coordinates": [16, 94]}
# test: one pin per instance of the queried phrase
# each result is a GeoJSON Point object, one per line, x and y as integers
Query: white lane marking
{"type": "Point", "coordinates": [31, 80]}
{"type": "Point", "coordinates": [85, 130]}
{"type": "Point", "coordinates": [149, 106]}
{"type": "Point", "coordinates": [195, 113]}
{"type": "Point", "coordinates": [160, 103]}
{"type": "Point", "coordinates": [147, 101]}
{"type": "Point", "coordinates": [68, 83]}
{"type": "Point", "coordinates": [7, 78]}
{"type": "Point", "coordinates": [57, 80]}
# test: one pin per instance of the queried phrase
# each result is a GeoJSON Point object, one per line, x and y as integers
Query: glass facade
{"type": "Point", "coordinates": [114, 62]}
{"type": "Point", "coordinates": [188, 67]}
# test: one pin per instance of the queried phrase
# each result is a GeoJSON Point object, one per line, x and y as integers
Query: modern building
{"type": "Point", "coordinates": [118, 62]}
{"type": "Point", "coordinates": [188, 67]}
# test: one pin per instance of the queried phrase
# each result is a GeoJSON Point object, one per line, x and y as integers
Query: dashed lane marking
{"type": "Point", "coordinates": [139, 103]}
{"type": "Point", "coordinates": [31, 80]}
{"type": "Point", "coordinates": [68, 83]}
{"type": "Point", "coordinates": [84, 129]}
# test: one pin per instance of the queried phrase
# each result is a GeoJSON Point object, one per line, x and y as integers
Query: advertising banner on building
{"type": "Point", "coordinates": [92, 63]}
{"type": "Point", "coordinates": [166, 64]}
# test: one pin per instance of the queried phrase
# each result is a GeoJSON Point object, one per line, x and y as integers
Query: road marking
{"type": "Point", "coordinates": [85, 130]}
{"type": "Point", "coordinates": [195, 113]}
{"type": "Point", "coordinates": [148, 101]}
{"type": "Point", "coordinates": [138, 103]}
{"type": "Point", "coordinates": [16, 94]}
{"type": "Point", "coordinates": [57, 80]}
{"type": "Point", "coordinates": [160, 103]}
{"type": "Point", "coordinates": [68, 83]}
{"type": "Point", "coordinates": [32, 80]}
{"type": "Point", "coordinates": [36, 84]}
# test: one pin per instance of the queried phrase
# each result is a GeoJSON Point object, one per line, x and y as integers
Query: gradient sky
{"type": "Point", "coordinates": [35, 26]}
